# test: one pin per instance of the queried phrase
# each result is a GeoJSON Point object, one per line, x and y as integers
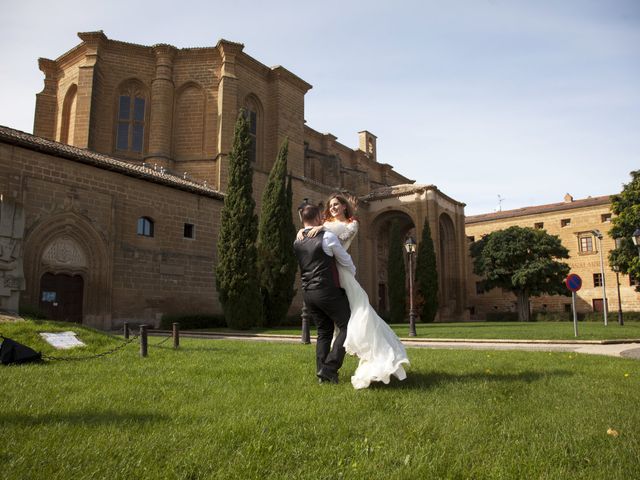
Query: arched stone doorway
{"type": "Point", "coordinates": [67, 262]}
{"type": "Point", "coordinates": [447, 273]}
{"type": "Point", "coordinates": [379, 236]}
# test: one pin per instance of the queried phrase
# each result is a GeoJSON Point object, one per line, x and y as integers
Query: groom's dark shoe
{"type": "Point", "coordinates": [326, 376]}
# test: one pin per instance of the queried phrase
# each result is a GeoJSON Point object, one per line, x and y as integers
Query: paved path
{"type": "Point", "coordinates": [614, 348]}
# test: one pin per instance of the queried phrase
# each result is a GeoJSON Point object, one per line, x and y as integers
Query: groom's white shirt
{"type": "Point", "coordinates": [332, 247]}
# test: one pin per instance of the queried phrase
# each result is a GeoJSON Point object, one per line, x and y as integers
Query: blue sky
{"type": "Point", "coordinates": [522, 100]}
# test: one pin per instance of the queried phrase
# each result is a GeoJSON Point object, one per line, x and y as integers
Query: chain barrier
{"type": "Point", "coordinates": [128, 340]}
{"type": "Point", "coordinates": [160, 343]}
{"type": "Point", "coordinates": [89, 357]}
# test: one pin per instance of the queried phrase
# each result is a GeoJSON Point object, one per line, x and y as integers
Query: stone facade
{"type": "Point", "coordinates": [129, 138]}
{"type": "Point", "coordinates": [574, 222]}
{"type": "Point", "coordinates": [81, 234]}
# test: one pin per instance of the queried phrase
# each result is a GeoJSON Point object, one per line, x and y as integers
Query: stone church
{"type": "Point", "coordinates": [111, 209]}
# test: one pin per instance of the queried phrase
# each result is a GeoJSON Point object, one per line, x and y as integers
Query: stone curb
{"type": "Point", "coordinates": [412, 340]}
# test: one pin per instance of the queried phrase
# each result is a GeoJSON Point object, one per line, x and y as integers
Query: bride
{"type": "Point", "coordinates": [369, 337]}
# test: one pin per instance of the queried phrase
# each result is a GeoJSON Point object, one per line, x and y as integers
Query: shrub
{"type": "Point", "coordinates": [502, 317]}
{"type": "Point", "coordinates": [584, 317]}
{"type": "Point", "coordinates": [34, 313]}
{"type": "Point", "coordinates": [193, 321]}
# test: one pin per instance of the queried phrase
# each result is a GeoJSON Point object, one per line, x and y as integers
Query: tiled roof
{"type": "Point", "coordinates": [537, 209]}
{"type": "Point", "coordinates": [105, 162]}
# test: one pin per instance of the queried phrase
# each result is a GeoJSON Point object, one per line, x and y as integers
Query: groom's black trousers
{"type": "Point", "coordinates": [327, 306]}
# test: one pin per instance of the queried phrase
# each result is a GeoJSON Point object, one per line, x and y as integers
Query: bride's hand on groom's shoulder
{"type": "Point", "coordinates": [310, 233]}
{"type": "Point", "coordinates": [314, 231]}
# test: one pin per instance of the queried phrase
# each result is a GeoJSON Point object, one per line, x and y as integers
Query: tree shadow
{"type": "Point", "coordinates": [182, 348]}
{"type": "Point", "coordinates": [80, 418]}
{"type": "Point", "coordinates": [423, 381]}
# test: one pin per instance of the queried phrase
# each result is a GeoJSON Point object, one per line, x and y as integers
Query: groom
{"type": "Point", "coordinates": [325, 301]}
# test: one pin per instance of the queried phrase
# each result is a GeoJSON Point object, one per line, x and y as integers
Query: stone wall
{"type": "Point", "coordinates": [81, 220]}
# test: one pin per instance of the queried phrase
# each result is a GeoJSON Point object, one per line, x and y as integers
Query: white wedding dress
{"type": "Point", "coordinates": [369, 337]}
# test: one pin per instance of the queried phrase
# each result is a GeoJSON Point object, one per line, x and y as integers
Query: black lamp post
{"type": "Point", "coordinates": [410, 247]}
{"type": "Point", "coordinates": [616, 269]}
{"type": "Point", "coordinates": [636, 239]}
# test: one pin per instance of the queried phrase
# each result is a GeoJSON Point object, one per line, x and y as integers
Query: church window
{"type": "Point", "coordinates": [252, 117]}
{"type": "Point", "coordinates": [69, 115]}
{"type": "Point", "coordinates": [145, 227]}
{"type": "Point", "coordinates": [131, 120]}
{"type": "Point", "coordinates": [253, 114]}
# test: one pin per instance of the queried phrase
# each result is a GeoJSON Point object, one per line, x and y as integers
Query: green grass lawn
{"type": "Point", "coordinates": [245, 410]}
{"type": "Point", "coordinates": [500, 330]}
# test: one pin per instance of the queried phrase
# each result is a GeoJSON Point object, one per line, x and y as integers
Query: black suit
{"type": "Point", "coordinates": [326, 302]}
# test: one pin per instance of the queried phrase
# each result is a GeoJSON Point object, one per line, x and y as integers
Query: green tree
{"type": "Point", "coordinates": [626, 207]}
{"type": "Point", "coordinates": [396, 276]}
{"type": "Point", "coordinates": [524, 261]}
{"type": "Point", "coordinates": [427, 276]}
{"type": "Point", "coordinates": [236, 273]}
{"type": "Point", "coordinates": [276, 233]}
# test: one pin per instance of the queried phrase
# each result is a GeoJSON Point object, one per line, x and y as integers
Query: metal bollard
{"type": "Point", "coordinates": [176, 335]}
{"type": "Point", "coordinates": [144, 344]}
{"type": "Point", "coordinates": [306, 334]}
{"type": "Point", "coordinates": [125, 326]}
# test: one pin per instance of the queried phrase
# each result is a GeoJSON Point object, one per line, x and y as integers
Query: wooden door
{"type": "Point", "coordinates": [61, 297]}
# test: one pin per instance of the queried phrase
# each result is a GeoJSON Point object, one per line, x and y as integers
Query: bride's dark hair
{"type": "Point", "coordinates": [348, 201]}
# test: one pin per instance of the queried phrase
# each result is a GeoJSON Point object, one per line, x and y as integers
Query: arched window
{"type": "Point", "coordinates": [253, 112]}
{"type": "Point", "coordinates": [188, 122]}
{"type": "Point", "coordinates": [145, 227]}
{"type": "Point", "coordinates": [131, 118]}
{"type": "Point", "coordinates": [68, 115]}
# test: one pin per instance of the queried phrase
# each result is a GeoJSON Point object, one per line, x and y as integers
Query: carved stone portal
{"type": "Point", "coordinates": [64, 252]}
{"type": "Point", "coordinates": [11, 263]}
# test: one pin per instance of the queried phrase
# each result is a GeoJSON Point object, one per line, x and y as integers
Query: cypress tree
{"type": "Point", "coordinates": [427, 276]}
{"type": "Point", "coordinates": [236, 274]}
{"type": "Point", "coordinates": [396, 276]}
{"type": "Point", "coordinates": [276, 233]}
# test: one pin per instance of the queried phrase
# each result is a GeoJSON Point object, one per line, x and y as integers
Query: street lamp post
{"type": "Point", "coordinates": [598, 235]}
{"type": "Point", "coordinates": [636, 239]}
{"type": "Point", "coordinates": [616, 269]}
{"type": "Point", "coordinates": [410, 247]}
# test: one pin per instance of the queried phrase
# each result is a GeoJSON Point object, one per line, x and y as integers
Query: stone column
{"type": "Point", "coordinates": [227, 107]}
{"type": "Point", "coordinates": [84, 100]}
{"type": "Point", "coordinates": [11, 270]}
{"type": "Point", "coordinates": [161, 120]}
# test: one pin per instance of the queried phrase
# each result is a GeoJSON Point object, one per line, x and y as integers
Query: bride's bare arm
{"type": "Point", "coordinates": [310, 233]}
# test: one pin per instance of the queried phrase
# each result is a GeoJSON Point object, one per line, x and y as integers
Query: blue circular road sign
{"type": "Point", "coordinates": [573, 282]}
